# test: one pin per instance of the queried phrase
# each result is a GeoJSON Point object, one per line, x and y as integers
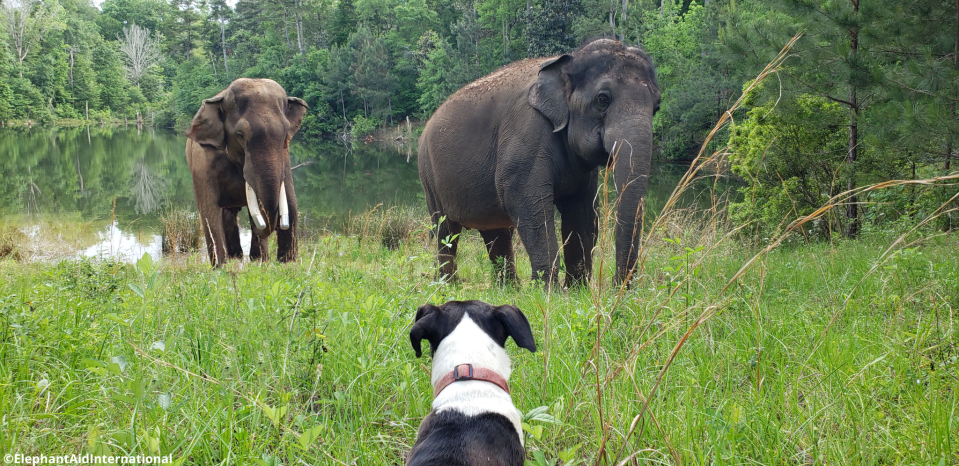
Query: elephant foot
{"type": "Point", "coordinates": [447, 269]}
{"type": "Point", "coordinates": [548, 279]}
{"type": "Point", "coordinates": [505, 276]}
{"type": "Point", "coordinates": [576, 282]}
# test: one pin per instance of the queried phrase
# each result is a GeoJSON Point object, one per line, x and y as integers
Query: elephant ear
{"type": "Point", "coordinates": [295, 109]}
{"type": "Point", "coordinates": [207, 128]}
{"type": "Point", "coordinates": [548, 93]}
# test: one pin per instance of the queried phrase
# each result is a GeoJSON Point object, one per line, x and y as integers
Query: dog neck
{"type": "Point", "coordinates": [469, 344]}
{"type": "Point", "coordinates": [465, 372]}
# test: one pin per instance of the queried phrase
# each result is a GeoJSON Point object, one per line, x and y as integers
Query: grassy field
{"type": "Point", "coordinates": [823, 353]}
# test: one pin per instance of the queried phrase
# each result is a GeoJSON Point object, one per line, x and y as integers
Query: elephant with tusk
{"type": "Point", "coordinates": [238, 150]}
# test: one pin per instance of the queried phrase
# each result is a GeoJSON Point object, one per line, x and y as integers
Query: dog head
{"type": "Point", "coordinates": [434, 324]}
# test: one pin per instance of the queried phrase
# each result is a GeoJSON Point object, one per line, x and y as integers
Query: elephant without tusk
{"type": "Point", "coordinates": [504, 151]}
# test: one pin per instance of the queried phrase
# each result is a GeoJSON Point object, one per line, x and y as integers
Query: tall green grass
{"type": "Point", "coordinates": [310, 362]}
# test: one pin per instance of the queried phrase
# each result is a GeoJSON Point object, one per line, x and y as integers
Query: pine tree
{"type": "Point", "coordinates": [549, 27]}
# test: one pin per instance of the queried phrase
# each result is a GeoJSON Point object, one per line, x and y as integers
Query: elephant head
{"type": "Point", "coordinates": [252, 122]}
{"type": "Point", "coordinates": [604, 96]}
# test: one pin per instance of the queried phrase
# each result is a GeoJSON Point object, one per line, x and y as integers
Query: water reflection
{"type": "Point", "coordinates": [113, 184]}
{"type": "Point", "coordinates": [124, 246]}
{"type": "Point", "coordinates": [118, 182]}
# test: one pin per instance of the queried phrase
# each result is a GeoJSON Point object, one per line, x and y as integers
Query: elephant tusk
{"type": "Point", "coordinates": [254, 205]}
{"type": "Point", "coordinates": [284, 209]}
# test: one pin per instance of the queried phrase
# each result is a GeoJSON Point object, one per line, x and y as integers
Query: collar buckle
{"type": "Point", "coordinates": [459, 375]}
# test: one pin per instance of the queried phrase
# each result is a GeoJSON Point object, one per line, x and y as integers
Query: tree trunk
{"type": "Point", "coordinates": [71, 49]}
{"type": "Point", "coordinates": [286, 31]}
{"type": "Point", "coordinates": [299, 27]}
{"type": "Point", "coordinates": [505, 41]}
{"type": "Point", "coordinates": [226, 67]}
{"type": "Point", "coordinates": [612, 22]}
{"type": "Point", "coordinates": [852, 207]}
{"type": "Point", "coordinates": [946, 164]}
{"type": "Point", "coordinates": [622, 26]}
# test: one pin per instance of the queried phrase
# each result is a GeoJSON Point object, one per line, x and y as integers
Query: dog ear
{"type": "Point", "coordinates": [207, 128]}
{"type": "Point", "coordinates": [516, 326]}
{"type": "Point", "coordinates": [423, 326]}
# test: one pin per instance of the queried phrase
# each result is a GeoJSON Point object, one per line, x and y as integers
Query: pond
{"type": "Point", "coordinates": [101, 191]}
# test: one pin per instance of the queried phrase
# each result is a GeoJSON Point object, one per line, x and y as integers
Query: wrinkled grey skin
{"type": "Point", "coordinates": [503, 151]}
{"type": "Point", "coordinates": [243, 135]}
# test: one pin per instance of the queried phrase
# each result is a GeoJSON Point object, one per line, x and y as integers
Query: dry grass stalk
{"type": "Point", "coordinates": [181, 232]}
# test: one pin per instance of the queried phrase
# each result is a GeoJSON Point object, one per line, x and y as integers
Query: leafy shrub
{"type": "Point", "coordinates": [791, 158]}
{"type": "Point", "coordinates": [363, 127]}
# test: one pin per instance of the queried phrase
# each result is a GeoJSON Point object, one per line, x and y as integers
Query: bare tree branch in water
{"type": "Point", "coordinates": [32, 205]}
{"type": "Point", "coordinates": [147, 190]}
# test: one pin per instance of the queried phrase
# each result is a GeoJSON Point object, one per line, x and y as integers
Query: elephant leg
{"type": "Point", "coordinates": [535, 224]}
{"type": "Point", "coordinates": [286, 247]}
{"type": "Point", "coordinates": [259, 248]}
{"type": "Point", "coordinates": [447, 239]}
{"type": "Point", "coordinates": [499, 245]}
{"type": "Point", "coordinates": [579, 231]}
{"type": "Point", "coordinates": [212, 221]}
{"type": "Point", "coordinates": [231, 233]}
{"type": "Point", "coordinates": [286, 240]}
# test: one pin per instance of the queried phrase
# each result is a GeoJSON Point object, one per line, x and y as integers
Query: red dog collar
{"type": "Point", "coordinates": [464, 372]}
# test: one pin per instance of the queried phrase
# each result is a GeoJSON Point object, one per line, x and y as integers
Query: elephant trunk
{"type": "Point", "coordinates": [631, 158]}
{"type": "Point", "coordinates": [270, 197]}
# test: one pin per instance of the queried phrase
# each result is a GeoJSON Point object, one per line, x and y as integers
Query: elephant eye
{"type": "Point", "coordinates": [603, 99]}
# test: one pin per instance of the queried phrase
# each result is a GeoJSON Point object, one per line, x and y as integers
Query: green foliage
{"type": "Point", "coordinates": [696, 80]}
{"type": "Point", "coordinates": [270, 364]}
{"type": "Point", "coordinates": [550, 27]}
{"type": "Point", "coordinates": [789, 156]}
{"type": "Point", "coordinates": [435, 83]}
{"type": "Point", "coordinates": [363, 127]}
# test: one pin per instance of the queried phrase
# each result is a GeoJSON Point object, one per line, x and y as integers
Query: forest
{"type": "Point", "coordinates": [867, 94]}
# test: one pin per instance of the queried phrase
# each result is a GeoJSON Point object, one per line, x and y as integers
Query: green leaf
{"type": "Point", "coordinates": [569, 454]}
{"type": "Point", "coordinates": [136, 289]}
{"type": "Point", "coordinates": [87, 362]}
{"type": "Point", "coordinates": [119, 361]}
{"type": "Point", "coordinates": [535, 431]}
{"type": "Point", "coordinates": [540, 458]}
{"type": "Point", "coordinates": [275, 414]}
{"type": "Point", "coordinates": [309, 436]}
{"type": "Point", "coordinates": [539, 414]}
{"type": "Point", "coordinates": [123, 398]}
{"type": "Point", "coordinates": [145, 264]}
{"type": "Point", "coordinates": [115, 318]}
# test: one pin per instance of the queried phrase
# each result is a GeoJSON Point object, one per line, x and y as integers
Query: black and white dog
{"type": "Point", "coordinates": [473, 420]}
